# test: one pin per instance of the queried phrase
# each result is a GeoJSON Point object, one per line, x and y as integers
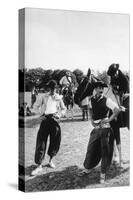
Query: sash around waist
{"type": "Point", "coordinates": [99, 125]}
{"type": "Point", "coordinates": [52, 115]}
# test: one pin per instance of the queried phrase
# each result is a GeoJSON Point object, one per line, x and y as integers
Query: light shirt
{"type": "Point", "coordinates": [47, 104]}
{"type": "Point", "coordinates": [51, 106]}
{"type": "Point", "coordinates": [65, 80]}
{"type": "Point", "coordinates": [85, 101]}
{"type": "Point", "coordinates": [109, 103]}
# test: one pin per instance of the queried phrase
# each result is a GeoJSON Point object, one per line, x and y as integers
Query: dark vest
{"type": "Point", "coordinates": [99, 108]}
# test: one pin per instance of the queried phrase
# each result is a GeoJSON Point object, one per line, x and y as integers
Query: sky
{"type": "Point", "coordinates": [58, 39]}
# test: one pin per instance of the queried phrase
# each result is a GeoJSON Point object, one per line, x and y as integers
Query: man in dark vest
{"type": "Point", "coordinates": [100, 147]}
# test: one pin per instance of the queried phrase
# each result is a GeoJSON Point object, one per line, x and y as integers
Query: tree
{"type": "Point", "coordinates": [33, 77]}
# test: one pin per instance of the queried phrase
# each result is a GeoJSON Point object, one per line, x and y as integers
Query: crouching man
{"type": "Point", "coordinates": [100, 146]}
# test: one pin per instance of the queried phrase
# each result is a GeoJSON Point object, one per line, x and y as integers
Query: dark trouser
{"type": "Point", "coordinates": [116, 130]}
{"type": "Point", "coordinates": [48, 127]}
{"type": "Point", "coordinates": [100, 147]}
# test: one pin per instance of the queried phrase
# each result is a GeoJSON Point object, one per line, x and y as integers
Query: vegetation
{"type": "Point", "coordinates": [39, 77]}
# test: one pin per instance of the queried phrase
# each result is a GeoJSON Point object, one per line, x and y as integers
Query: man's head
{"type": "Point", "coordinates": [68, 73]}
{"type": "Point", "coordinates": [52, 86]}
{"type": "Point", "coordinates": [99, 87]}
{"type": "Point", "coordinates": [112, 70]}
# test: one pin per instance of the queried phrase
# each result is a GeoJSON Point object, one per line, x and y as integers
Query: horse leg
{"type": "Point", "coordinates": [71, 109]}
{"type": "Point", "coordinates": [115, 153]}
{"type": "Point", "coordinates": [87, 115]}
{"type": "Point", "coordinates": [120, 155]}
{"type": "Point", "coordinates": [67, 112]}
{"type": "Point", "coordinates": [118, 143]}
{"type": "Point", "coordinates": [83, 113]}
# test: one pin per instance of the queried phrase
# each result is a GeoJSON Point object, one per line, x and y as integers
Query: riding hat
{"type": "Point", "coordinates": [68, 73]}
{"type": "Point", "coordinates": [52, 84]}
{"type": "Point", "coordinates": [112, 69]}
{"type": "Point", "coordinates": [100, 84]}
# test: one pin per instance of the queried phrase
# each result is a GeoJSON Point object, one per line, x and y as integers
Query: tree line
{"type": "Point", "coordinates": [38, 77]}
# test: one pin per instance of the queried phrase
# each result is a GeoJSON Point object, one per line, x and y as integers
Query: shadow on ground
{"type": "Point", "coordinates": [71, 120]}
{"type": "Point", "coordinates": [68, 178]}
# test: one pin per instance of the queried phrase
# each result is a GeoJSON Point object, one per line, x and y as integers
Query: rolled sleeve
{"type": "Point", "coordinates": [111, 104]}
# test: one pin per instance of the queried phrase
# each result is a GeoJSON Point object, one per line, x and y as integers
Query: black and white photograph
{"type": "Point", "coordinates": [74, 88]}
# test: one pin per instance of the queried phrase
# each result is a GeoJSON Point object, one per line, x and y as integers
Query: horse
{"type": "Point", "coordinates": [68, 98]}
{"type": "Point", "coordinates": [85, 87]}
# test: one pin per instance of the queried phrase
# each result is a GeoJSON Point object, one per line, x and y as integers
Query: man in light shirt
{"type": "Point", "coordinates": [100, 146]}
{"type": "Point", "coordinates": [66, 80]}
{"type": "Point", "coordinates": [52, 107]}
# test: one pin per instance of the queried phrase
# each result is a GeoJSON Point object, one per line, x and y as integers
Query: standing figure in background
{"type": "Point", "coordinates": [84, 107]}
{"type": "Point", "coordinates": [33, 96]}
{"type": "Point", "coordinates": [66, 81]}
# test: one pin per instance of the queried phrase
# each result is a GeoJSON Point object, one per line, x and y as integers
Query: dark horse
{"type": "Point", "coordinates": [120, 88]}
{"type": "Point", "coordinates": [85, 88]}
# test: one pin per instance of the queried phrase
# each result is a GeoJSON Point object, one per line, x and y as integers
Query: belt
{"type": "Point", "coordinates": [50, 115]}
{"type": "Point", "coordinates": [99, 125]}
{"type": "Point", "coordinates": [54, 116]}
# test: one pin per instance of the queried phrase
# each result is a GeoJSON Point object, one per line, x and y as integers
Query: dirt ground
{"type": "Point", "coordinates": [69, 160]}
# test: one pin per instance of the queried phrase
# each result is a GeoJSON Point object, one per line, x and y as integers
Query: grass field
{"type": "Point", "coordinates": [69, 160]}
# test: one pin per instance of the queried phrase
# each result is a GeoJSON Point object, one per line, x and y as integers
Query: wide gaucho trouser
{"type": "Point", "coordinates": [48, 127]}
{"type": "Point", "coordinates": [100, 147]}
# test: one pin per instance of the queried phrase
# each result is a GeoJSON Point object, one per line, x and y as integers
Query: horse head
{"type": "Point", "coordinates": [85, 87]}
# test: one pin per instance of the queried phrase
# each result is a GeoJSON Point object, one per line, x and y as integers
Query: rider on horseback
{"type": "Point", "coordinates": [65, 81]}
{"type": "Point", "coordinates": [119, 82]}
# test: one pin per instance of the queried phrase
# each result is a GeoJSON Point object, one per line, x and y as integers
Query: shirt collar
{"type": "Point", "coordinates": [100, 97]}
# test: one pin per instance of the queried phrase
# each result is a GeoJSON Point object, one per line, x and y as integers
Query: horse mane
{"type": "Point", "coordinates": [85, 88]}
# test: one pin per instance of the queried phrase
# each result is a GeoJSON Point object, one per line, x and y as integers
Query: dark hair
{"type": "Point", "coordinates": [52, 84]}
{"type": "Point", "coordinates": [112, 69]}
{"type": "Point", "coordinates": [99, 84]}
